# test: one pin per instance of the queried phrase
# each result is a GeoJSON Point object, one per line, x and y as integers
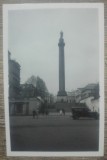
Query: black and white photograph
{"type": "Point", "coordinates": [54, 79]}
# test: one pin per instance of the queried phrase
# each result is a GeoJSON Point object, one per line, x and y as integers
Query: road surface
{"type": "Point", "coordinates": [54, 133]}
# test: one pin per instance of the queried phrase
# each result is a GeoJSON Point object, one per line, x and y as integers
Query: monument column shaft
{"type": "Point", "coordinates": [61, 69]}
{"type": "Point", "coordinates": [61, 45]}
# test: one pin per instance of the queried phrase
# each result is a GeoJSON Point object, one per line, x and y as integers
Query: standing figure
{"type": "Point", "coordinates": [60, 112]}
{"type": "Point", "coordinates": [37, 113]}
{"type": "Point", "coordinates": [33, 113]}
{"type": "Point", "coordinates": [63, 110]}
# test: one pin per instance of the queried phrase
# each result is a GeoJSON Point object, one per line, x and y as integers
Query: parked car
{"type": "Point", "coordinates": [78, 112]}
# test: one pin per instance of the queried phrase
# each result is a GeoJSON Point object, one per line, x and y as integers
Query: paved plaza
{"type": "Point", "coordinates": [53, 133]}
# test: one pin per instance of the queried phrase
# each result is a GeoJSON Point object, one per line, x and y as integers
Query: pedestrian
{"type": "Point", "coordinates": [45, 107]}
{"type": "Point", "coordinates": [93, 108]}
{"type": "Point", "coordinates": [63, 110]}
{"type": "Point", "coordinates": [37, 113]}
{"type": "Point", "coordinates": [33, 113]}
{"type": "Point", "coordinates": [60, 112]}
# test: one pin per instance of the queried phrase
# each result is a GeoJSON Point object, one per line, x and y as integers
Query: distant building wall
{"type": "Point", "coordinates": [91, 103]}
{"type": "Point", "coordinates": [34, 104]}
{"type": "Point", "coordinates": [14, 77]}
{"type": "Point", "coordinates": [24, 107]}
{"type": "Point", "coordinates": [62, 99]}
{"type": "Point", "coordinates": [71, 99]}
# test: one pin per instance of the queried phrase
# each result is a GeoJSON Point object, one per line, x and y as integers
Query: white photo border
{"type": "Point", "coordinates": [100, 7]}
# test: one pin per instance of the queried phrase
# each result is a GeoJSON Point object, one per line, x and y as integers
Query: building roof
{"type": "Point", "coordinates": [89, 87]}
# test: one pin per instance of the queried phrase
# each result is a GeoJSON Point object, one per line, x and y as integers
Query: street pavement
{"type": "Point", "coordinates": [53, 133]}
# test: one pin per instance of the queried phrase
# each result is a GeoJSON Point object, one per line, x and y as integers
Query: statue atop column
{"type": "Point", "coordinates": [61, 34]}
{"type": "Point", "coordinates": [61, 40]}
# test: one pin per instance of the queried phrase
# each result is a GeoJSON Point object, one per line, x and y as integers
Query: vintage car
{"type": "Point", "coordinates": [84, 111]}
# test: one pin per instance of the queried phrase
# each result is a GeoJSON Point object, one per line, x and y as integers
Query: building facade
{"type": "Point", "coordinates": [24, 106]}
{"type": "Point", "coordinates": [14, 77]}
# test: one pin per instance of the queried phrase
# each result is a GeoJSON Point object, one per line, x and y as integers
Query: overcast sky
{"type": "Point", "coordinates": [33, 42]}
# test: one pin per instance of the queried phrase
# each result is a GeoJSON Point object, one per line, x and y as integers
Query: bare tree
{"type": "Point", "coordinates": [41, 87]}
{"type": "Point", "coordinates": [31, 80]}
{"type": "Point", "coordinates": [39, 84]}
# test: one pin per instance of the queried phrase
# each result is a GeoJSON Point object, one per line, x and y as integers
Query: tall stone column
{"type": "Point", "coordinates": [61, 45]}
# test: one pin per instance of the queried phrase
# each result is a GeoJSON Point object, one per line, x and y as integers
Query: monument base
{"type": "Point", "coordinates": [62, 93]}
{"type": "Point", "coordinates": [62, 96]}
{"type": "Point", "coordinates": [62, 99]}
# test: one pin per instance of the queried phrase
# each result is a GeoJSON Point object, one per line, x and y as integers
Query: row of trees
{"type": "Point", "coordinates": [33, 87]}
